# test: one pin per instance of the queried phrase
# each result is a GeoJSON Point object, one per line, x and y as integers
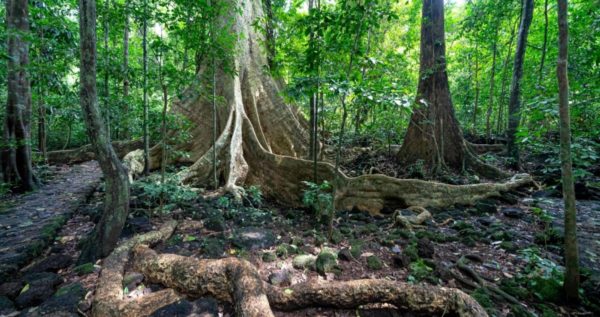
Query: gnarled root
{"type": "Point", "coordinates": [237, 281]}
{"type": "Point", "coordinates": [108, 300]}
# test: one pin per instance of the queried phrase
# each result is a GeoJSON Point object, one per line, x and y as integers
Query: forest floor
{"type": "Point", "coordinates": [513, 243]}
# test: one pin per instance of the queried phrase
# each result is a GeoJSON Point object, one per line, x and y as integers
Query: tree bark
{"type": "Point", "coordinates": [16, 150]}
{"type": "Point", "coordinates": [514, 104]}
{"type": "Point", "coordinates": [434, 135]}
{"type": "Point", "coordinates": [544, 44]}
{"type": "Point", "coordinates": [571, 282]}
{"type": "Point", "coordinates": [126, 73]}
{"type": "Point", "coordinates": [105, 235]}
{"type": "Point", "coordinates": [490, 109]}
{"type": "Point", "coordinates": [500, 119]}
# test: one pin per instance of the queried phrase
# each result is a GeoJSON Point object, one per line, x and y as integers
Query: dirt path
{"type": "Point", "coordinates": [30, 224]}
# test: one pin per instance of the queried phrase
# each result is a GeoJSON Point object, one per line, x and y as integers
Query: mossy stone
{"type": "Point", "coordinates": [304, 261]}
{"type": "Point", "coordinates": [326, 262]}
{"type": "Point", "coordinates": [84, 269]}
{"type": "Point", "coordinates": [374, 263]}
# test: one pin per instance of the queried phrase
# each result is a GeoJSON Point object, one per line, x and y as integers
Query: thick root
{"type": "Point", "coordinates": [108, 299]}
{"type": "Point", "coordinates": [237, 282]}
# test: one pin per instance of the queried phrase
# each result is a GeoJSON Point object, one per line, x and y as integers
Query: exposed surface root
{"type": "Point", "coordinates": [108, 300]}
{"type": "Point", "coordinates": [237, 282]}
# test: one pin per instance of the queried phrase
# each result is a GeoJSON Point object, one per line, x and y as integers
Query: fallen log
{"type": "Point", "coordinates": [237, 282]}
{"type": "Point", "coordinates": [86, 152]}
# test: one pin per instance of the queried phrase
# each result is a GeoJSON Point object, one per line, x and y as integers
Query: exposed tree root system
{"type": "Point", "coordinates": [237, 281]}
{"type": "Point", "coordinates": [263, 141]}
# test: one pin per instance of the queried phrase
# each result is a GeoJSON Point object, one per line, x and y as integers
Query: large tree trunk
{"type": "Point", "coordinates": [514, 104]}
{"type": "Point", "coordinates": [16, 152]}
{"type": "Point", "coordinates": [263, 141]}
{"type": "Point", "coordinates": [571, 283]}
{"type": "Point", "coordinates": [434, 135]}
{"type": "Point", "coordinates": [105, 235]}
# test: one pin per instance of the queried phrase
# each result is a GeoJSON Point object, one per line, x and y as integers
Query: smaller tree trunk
{"type": "Point", "coordinates": [500, 119]}
{"type": "Point", "coordinates": [571, 283]}
{"type": "Point", "coordinates": [490, 109]}
{"type": "Point", "coordinates": [42, 135]}
{"type": "Point", "coordinates": [145, 83]}
{"type": "Point", "coordinates": [544, 44]}
{"type": "Point", "coordinates": [106, 234]}
{"type": "Point", "coordinates": [126, 73]}
{"type": "Point", "coordinates": [514, 104]}
{"type": "Point", "coordinates": [16, 154]}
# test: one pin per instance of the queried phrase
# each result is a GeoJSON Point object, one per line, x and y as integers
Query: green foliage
{"type": "Point", "coordinates": [542, 277]}
{"type": "Point", "coordinates": [419, 270]}
{"type": "Point", "coordinates": [151, 191]}
{"type": "Point", "coordinates": [254, 194]}
{"type": "Point", "coordinates": [318, 198]}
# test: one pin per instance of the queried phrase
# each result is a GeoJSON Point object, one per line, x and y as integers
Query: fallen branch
{"type": "Point", "coordinates": [236, 281]}
{"type": "Point", "coordinates": [86, 152]}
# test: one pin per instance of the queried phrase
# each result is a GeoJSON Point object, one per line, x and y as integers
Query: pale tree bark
{"type": "Point", "coordinates": [16, 152]}
{"type": "Point", "coordinates": [514, 104]}
{"type": "Point", "coordinates": [106, 234]}
{"type": "Point", "coordinates": [434, 135]}
{"type": "Point", "coordinates": [571, 282]}
{"type": "Point", "coordinates": [263, 141]}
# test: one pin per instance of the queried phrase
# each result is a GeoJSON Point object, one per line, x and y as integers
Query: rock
{"type": "Point", "coordinates": [509, 198]}
{"type": "Point", "coordinates": [486, 206]}
{"type": "Point", "coordinates": [139, 224]}
{"type": "Point", "coordinates": [132, 280]}
{"type": "Point", "coordinates": [11, 289]}
{"type": "Point", "coordinates": [486, 221]}
{"type": "Point", "coordinates": [396, 249]}
{"type": "Point", "coordinates": [345, 255]}
{"type": "Point", "coordinates": [513, 212]}
{"type": "Point", "coordinates": [282, 250]}
{"type": "Point", "coordinates": [251, 238]}
{"type": "Point", "coordinates": [304, 261]}
{"type": "Point", "coordinates": [326, 262]}
{"type": "Point", "coordinates": [269, 257]}
{"type": "Point", "coordinates": [202, 307]}
{"type": "Point", "coordinates": [45, 278]}
{"type": "Point", "coordinates": [64, 302]}
{"type": "Point", "coordinates": [38, 288]}
{"type": "Point", "coordinates": [401, 261]}
{"type": "Point", "coordinates": [336, 237]}
{"type": "Point", "coordinates": [215, 222]}
{"type": "Point", "coordinates": [374, 263]}
{"type": "Point", "coordinates": [6, 306]}
{"type": "Point", "coordinates": [425, 248]}
{"type": "Point", "coordinates": [84, 269]}
{"type": "Point", "coordinates": [280, 278]}
{"type": "Point", "coordinates": [52, 263]}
